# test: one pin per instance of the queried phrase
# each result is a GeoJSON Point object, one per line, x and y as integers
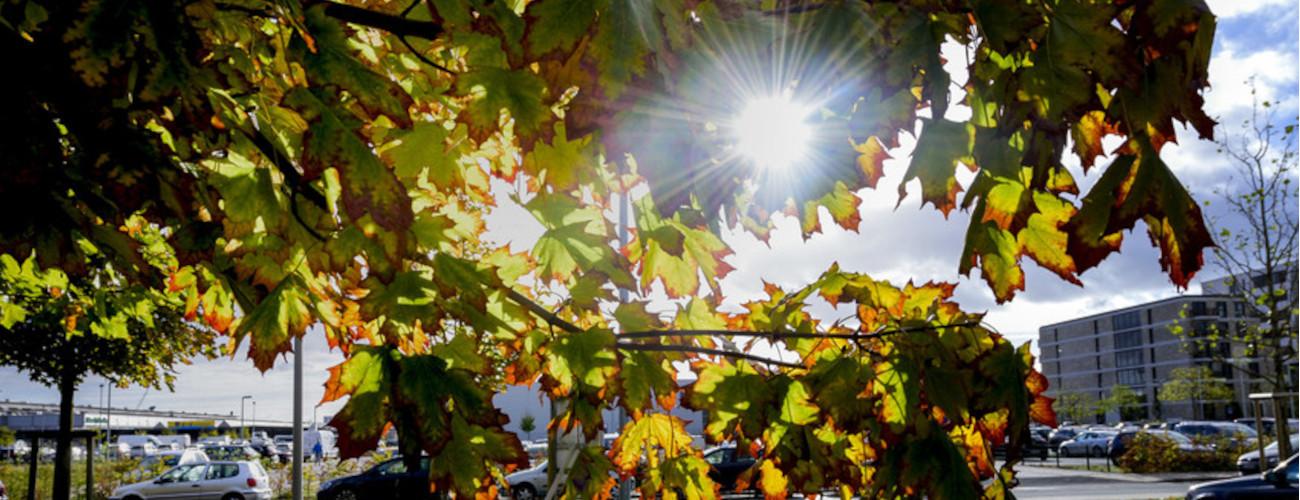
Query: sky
{"type": "Point", "coordinates": [1257, 39]}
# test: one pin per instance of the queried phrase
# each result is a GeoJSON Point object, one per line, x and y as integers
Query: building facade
{"type": "Point", "coordinates": [1135, 347]}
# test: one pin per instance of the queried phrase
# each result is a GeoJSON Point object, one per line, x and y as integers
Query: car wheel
{"type": "Point", "coordinates": [346, 494]}
{"type": "Point", "coordinates": [524, 492]}
{"type": "Point", "coordinates": [1097, 452]}
{"type": "Point", "coordinates": [233, 496]}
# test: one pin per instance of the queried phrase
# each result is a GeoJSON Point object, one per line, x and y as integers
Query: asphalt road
{"type": "Point", "coordinates": [1042, 483]}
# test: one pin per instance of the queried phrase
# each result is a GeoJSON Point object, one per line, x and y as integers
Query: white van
{"type": "Point", "coordinates": [174, 442]}
{"type": "Point", "coordinates": [327, 439]}
{"type": "Point", "coordinates": [141, 445]}
{"type": "Point", "coordinates": [214, 440]}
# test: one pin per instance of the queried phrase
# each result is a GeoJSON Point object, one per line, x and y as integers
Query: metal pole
{"type": "Point", "coordinates": [243, 429]}
{"type": "Point", "coordinates": [254, 423]}
{"type": "Point", "coordinates": [625, 487]}
{"type": "Point", "coordinates": [108, 439]}
{"type": "Point", "coordinates": [297, 418]}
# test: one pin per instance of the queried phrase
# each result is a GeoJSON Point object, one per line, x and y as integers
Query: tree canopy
{"type": "Point", "coordinates": [333, 163]}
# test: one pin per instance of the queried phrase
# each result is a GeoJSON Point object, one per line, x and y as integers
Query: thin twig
{"type": "Point", "coordinates": [703, 350]}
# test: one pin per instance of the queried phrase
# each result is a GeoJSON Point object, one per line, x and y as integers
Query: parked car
{"type": "Point", "coordinates": [226, 480]}
{"type": "Point", "coordinates": [1087, 443]}
{"type": "Point", "coordinates": [1118, 445]}
{"type": "Point", "coordinates": [1269, 424]}
{"type": "Point", "coordinates": [17, 450]}
{"type": "Point", "coordinates": [725, 465]}
{"type": "Point", "coordinates": [389, 479]}
{"type": "Point", "coordinates": [1278, 482]}
{"type": "Point", "coordinates": [528, 484]}
{"type": "Point", "coordinates": [4, 494]}
{"type": "Point", "coordinates": [1236, 434]}
{"type": "Point", "coordinates": [1248, 463]}
{"type": "Point", "coordinates": [232, 452]}
{"type": "Point", "coordinates": [1061, 435]}
{"type": "Point", "coordinates": [1037, 447]}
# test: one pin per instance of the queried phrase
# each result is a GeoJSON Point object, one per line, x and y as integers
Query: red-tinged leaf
{"type": "Point", "coordinates": [653, 437]}
{"type": "Point", "coordinates": [181, 280]}
{"type": "Point", "coordinates": [365, 378]}
{"type": "Point", "coordinates": [218, 309]}
{"type": "Point", "coordinates": [940, 148]}
{"type": "Point", "coordinates": [1088, 133]}
{"type": "Point", "coordinates": [842, 205]}
{"type": "Point", "coordinates": [1045, 241]}
{"type": "Point", "coordinates": [871, 160]}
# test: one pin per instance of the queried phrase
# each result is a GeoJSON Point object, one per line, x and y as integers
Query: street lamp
{"type": "Point", "coordinates": [254, 417]}
{"type": "Point", "coordinates": [243, 431]}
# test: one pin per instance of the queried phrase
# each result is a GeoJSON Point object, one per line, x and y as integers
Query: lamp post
{"type": "Point", "coordinates": [243, 431]}
{"type": "Point", "coordinates": [254, 417]}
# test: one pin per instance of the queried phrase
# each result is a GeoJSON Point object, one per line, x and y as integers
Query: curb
{"type": "Point", "coordinates": [1133, 477]}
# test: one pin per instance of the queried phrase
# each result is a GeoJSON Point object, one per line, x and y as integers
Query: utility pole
{"type": "Point", "coordinates": [243, 429]}
{"type": "Point", "coordinates": [296, 480]}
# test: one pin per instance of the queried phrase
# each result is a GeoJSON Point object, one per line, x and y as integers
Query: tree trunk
{"type": "Point", "coordinates": [63, 450]}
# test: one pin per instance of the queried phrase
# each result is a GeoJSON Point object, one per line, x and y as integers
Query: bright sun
{"type": "Point", "coordinates": [773, 132]}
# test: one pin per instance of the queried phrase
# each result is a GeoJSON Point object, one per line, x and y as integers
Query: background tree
{"type": "Point", "coordinates": [7, 436]}
{"type": "Point", "coordinates": [527, 424]}
{"type": "Point", "coordinates": [1195, 384]}
{"type": "Point", "coordinates": [1121, 399]}
{"type": "Point", "coordinates": [1257, 251]}
{"type": "Point", "coordinates": [334, 163]}
{"type": "Point", "coordinates": [59, 329]}
{"type": "Point", "coordinates": [1076, 406]}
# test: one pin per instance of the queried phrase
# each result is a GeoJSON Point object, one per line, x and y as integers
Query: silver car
{"type": "Point", "coordinates": [1087, 443]}
{"type": "Point", "coordinates": [224, 480]}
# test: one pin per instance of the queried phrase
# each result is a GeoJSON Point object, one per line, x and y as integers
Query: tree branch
{"type": "Point", "coordinates": [396, 25]}
{"type": "Point", "coordinates": [703, 350]}
{"type": "Point", "coordinates": [788, 335]}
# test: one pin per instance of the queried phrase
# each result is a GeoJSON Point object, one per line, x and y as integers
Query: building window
{"type": "Point", "coordinates": [1221, 309]}
{"type": "Point", "coordinates": [1130, 377]}
{"type": "Point", "coordinates": [1239, 309]}
{"type": "Point", "coordinates": [1154, 377]}
{"type": "Point", "coordinates": [1127, 339]}
{"type": "Point", "coordinates": [1126, 320]}
{"type": "Point", "coordinates": [1198, 309]}
{"type": "Point", "coordinates": [1151, 335]}
{"type": "Point", "coordinates": [1129, 358]}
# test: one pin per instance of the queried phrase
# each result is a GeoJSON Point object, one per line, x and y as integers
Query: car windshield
{"type": "Point", "coordinates": [1176, 437]}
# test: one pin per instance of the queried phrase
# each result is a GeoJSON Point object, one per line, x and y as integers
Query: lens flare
{"type": "Point", "coordinates": [774, 132]}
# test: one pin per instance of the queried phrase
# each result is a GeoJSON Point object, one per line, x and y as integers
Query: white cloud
{"type": "Point", "coordinates": [1227, 9]}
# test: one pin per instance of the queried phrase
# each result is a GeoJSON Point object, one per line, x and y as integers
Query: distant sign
{"type": "Point", "coordinates": [96, 420]}
{"type": "Point", "coordinates": [192, 424]}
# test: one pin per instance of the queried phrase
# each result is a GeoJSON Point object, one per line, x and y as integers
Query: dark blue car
{"type": "Point", "coordinates": [1279, 482]}
{"type": "Point", "coordinates": [388, 480]}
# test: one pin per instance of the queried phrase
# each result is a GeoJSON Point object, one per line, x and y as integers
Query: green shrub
{"type": "Point", "coordinates": [1153, 453]}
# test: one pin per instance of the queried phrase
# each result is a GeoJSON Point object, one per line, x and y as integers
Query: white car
{"type": "Point", "coordinates": [226, 480]}
{"type": "Point", "coordinates": [528, 484]}
{"type": "Point", "coordinates": [1248, 463]}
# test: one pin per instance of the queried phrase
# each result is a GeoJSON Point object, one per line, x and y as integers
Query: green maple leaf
{"type": "Point", "coordinates": [941, 146]}
{"type": "Point", "coordinates": [643, 377]}
{"type": "Point", "coordinates": [364, 379]}
{"type": "Point", "coordinates": [556, 25]}
{"type": "Point", "coordinates": [469, 456]}
{"type": "Point", "coordinates": [492, 90]}
{"type": "Point", "coordinates": [424, 151]}
{"type": "Point", "coordinates": [619, 50]}
{"type": "Point", "coordinates": [735, 396]}
{"type": "Point", "coordinates": [330, 60]}
{"type": "Point", "coordinates": [581, 360]}
{"type": "Point", "coordinates": [369, 188]}
{"type": "Point", "coordinates": [284, 313]}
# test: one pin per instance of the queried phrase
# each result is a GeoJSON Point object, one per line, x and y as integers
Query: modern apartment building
{"type": "Point", "coordinates": [1134, 347]}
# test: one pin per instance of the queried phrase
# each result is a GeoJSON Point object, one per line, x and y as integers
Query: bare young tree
{"type": "Point", "coordinates": [1257, 248]}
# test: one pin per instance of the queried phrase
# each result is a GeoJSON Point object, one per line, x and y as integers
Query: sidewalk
{"type": "Point", "coordinates": [1156, 477]}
